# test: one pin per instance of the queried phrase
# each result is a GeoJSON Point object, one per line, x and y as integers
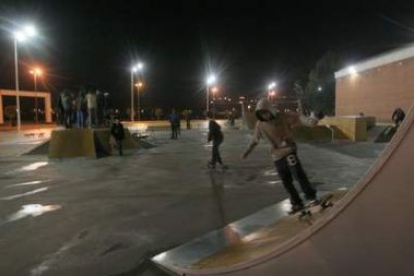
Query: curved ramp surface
{"type": "Point", "coordinates": [370, 231]}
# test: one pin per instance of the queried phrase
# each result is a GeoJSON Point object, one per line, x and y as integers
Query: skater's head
{"type": "Point", "coordinates": [264, 110]}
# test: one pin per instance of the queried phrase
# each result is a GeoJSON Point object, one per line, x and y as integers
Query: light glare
{"type": "Point", "coordinates": [272, 85]}
{"type": "Point", "coordinates": [20, 36]}
{"type": "Point", "coordinates": [211, 79]}
{"type": "Point", "coordinates": [352, 70]}
{"type": "Point", "coordinates": [30, 30]}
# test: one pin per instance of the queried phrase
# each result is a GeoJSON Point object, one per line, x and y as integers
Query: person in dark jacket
{"type": "Point", "coordinates": [216, 135]}
{"type": "Point", "coordinates": [398, 116]}
{"type": "Point", "coordinates": [175, 124]}
{"type": "Point", "coordinates": [117, 131]}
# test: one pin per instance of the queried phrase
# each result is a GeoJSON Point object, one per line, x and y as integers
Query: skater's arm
{"type": "Point", "coordinates": [254, 142]}
{"type": "Point", "coordinates": [300, 119]}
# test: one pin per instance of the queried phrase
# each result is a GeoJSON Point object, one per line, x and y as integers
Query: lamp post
{"type": "Point", "coordinates": [138, 85]}
{"type": "Point", "coordinates": [36, 72]}
{"type": "Point", "coordinates": [271, 92]}
{"type": "Point", "coordinates": [20, 36]}
{"type": "Point", "coordinates": [210, 80]}
{"type": "Point", "coordinates": [134, 69]}
{"type": "Point", "coordinates": [214, 90]}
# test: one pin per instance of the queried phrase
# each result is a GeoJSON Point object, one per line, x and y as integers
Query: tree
{"type": "Point", "coordinates": [10, 113]}
{"type": "Point", "coordinates": [319, 93]}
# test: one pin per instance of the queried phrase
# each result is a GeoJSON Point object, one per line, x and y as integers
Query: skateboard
{"type": "Point", "coordinates": [324, 202]}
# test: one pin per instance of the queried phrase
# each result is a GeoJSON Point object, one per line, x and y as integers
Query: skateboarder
{"type": "Point", "coordinates": [276, 128]}
{"type": "Point", "coordinates": [216, 135]}
{"type": "Point", "coordinates": [117, 130]}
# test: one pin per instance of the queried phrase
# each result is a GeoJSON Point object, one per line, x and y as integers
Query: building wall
{"type": "Point", "coordinates": [377, 91]}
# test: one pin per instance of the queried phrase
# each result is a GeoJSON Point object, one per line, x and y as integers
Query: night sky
{"type": "Point", "coordinates": [247, 44]}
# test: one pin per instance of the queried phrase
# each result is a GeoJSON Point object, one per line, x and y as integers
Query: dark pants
{"type": "Point", "coordinates": [67, 115]}
{"type": "Point", "coordinates": [174, 131]}
{"type": "Point", "coordinates": [216, 158]}
{"type": "Point", "coordinates": [80, 118]}
{"type": "Point", "coordinates": [119, 146]}
{"type": "Point", "coordinates": [288, 166]}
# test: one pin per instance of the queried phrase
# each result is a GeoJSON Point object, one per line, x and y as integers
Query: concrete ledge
{"type": "Point", "coordinates": [70, 143]}
{"type": "Point", "coordinates": [351, 127]}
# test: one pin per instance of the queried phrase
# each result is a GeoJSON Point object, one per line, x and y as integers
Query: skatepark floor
{"type": "Point", "coordinates": [109, 216]}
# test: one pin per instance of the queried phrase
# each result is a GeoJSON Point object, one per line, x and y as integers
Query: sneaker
{"type": "Point", "coordinates": [210, 165]}
{"type": "Point", "coordinates": [223, 167]}
{"type": "Point", "coordinates": [313, 202]}
{"type": "Point", "coordinates": [296, 208]}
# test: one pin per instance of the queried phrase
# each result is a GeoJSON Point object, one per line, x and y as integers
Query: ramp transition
{"type": "Point", "coordinates": [370, 231]}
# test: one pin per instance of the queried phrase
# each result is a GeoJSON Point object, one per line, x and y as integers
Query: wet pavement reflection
{"type": "Point", "coordinates": [33, 210]}
{"type": "Point", "coordinates": [25, 194]}
{"type": "Point", "coordinates": [33, 166]}
{"type": "Point", "coordinates": [231, 233]}
{"type": "Point", "coordinates": [217, 184]}
{"type": "Point", "coordinates": [29, 183]}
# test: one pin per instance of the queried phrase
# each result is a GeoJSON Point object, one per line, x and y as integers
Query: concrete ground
{"type": "Point", "coordinates": [108, 216]}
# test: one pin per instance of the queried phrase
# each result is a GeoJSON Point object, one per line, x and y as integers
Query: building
{"type": "Point", "coordinates": [375, 87]}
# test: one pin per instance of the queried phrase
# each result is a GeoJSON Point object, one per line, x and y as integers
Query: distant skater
{"type": "Point", "coordinates": [216, 136]}
{"type": "Point", "coordinates": [117, 131]}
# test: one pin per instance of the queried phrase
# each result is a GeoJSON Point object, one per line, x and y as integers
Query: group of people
{"type": "Point", "coordinates": [175, 122]}
{"type": "Point", "coordinates": [84, 109]}
{"type": "Point", "coordinates": [274, 127]}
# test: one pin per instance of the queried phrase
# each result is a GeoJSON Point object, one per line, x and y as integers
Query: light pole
{"type": "Point", "coordinates": [20, 36]}
{"type": "Point", "coordinates": [36, 72]}
{"type": "Point", "coordinates": [214, 90]}
{"type": "Point", "coordinates": [138, 85]}
{"type": "Point", "coordinates": [210, 80]}
{"type": "Point", "coordinates": [134, 69]}
{"type": "Point", "coordinates": [271, 92]}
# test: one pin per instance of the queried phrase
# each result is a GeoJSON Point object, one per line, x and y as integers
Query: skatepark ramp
{"type": "Point", "coordinates": [94, 143]}
{"type": "Point", "coordinates": [369, 231]}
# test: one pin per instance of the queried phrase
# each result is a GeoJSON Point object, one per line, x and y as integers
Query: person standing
{"type": "Point", "coordinates": [117, 131]}
{"type": "Point", "coordinates": [277, 129]}
{"type": "Point", "coordinates": [216, 136]}
{"type": "Point", "coordinates": [80, 109]}
{"type": "Point", "coordinates": [174, 122]}
{"type": "Point", "coordinates": [67, 108]}
{"type": "Point", "coordinates": [188, 118]}
{"type": "Point", "coordinates": [91, 105]}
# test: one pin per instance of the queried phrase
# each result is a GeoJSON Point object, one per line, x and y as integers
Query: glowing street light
{"type": "Point", "coordinates": [138, 67]}
{"type": "Point", "coordinates": [271, 92]}
{"type": "Point", "coordinates": [272, 85]}
{"type": "Point", "coordinates": [210, 81]}
{"type": "Point", "coordinates": [35, 72]}
{"type": "Point", "coordinates": [19, 36]}
{"type": "Point", "coordinates": [319, 88]}
{"type": "Point", "coordinates": [138, 85]}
